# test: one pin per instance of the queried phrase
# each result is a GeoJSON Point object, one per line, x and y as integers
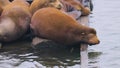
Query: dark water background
{"type": "Point", "coordinates": [105, 19]}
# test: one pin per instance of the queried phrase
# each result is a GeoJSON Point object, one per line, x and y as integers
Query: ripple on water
{"type": "Point", "coordinates": [106, 17]}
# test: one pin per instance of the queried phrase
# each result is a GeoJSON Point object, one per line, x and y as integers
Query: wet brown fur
{"type": "Point", "coordinates": [18, 16]}
{"type": "Point", "coordinates": [37, 4]}
{"type": "Point", "coordinates": [3, 3]}
{"type": "Point", "coordinates": [61, 28]}
{"type": "Point", "coordinates": [78, 6]}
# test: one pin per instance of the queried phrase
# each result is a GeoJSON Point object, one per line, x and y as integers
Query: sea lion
{"type": "Point", "coordinates": [14, 21]}
{"type": "Point", "coordinates": [37, 4]}
{"type": "Point", "coordinates": [50, 23]}
{"type": "Point", "coordinates": [71, 5]}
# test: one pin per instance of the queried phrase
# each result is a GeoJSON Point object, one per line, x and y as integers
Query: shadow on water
{"type": "Point", "coordinates": [47, 54]}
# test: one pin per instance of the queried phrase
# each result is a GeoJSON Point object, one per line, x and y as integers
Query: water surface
{"type": "Point", "coordinates": [106, 20]}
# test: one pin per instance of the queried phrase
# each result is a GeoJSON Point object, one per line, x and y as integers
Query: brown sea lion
{"type": "Point", "coordinates": [14, 21]}
{"type": "Point", "coordinates": [75, 5]}
{"type": "Point", "coordinates": [37, 4]}
{"type": "Point", "coordinates": [50, 23]}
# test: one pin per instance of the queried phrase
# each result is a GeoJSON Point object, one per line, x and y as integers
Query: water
{"type": "Point", "coordinates": [105, 19]}
{"type": "Point", "coordinates": [21, 55]}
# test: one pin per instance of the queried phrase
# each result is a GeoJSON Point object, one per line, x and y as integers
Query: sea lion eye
{"type": "Point", "coordinates": [83, 33]}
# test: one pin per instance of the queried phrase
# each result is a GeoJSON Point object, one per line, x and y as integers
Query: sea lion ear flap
{"type": "Point", "coordinates": [92, 30]}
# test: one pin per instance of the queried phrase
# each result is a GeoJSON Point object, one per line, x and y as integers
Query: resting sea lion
{"type": "Point", "coordinates": [38, 4]}
{"type": "Point", "coordinates": [14, 21]}
{"type": "Point", "coordinates": [50, 23]}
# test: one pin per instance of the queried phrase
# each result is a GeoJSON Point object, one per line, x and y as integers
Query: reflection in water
{"type": "Point", "coordinates": [93, 55]}
{"type": "Point", "coordinates": [21, 55]}
{"type": "Point", "coordinates": [46, 55]}
{"type": "Point", "coordinates": [93, 62]}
